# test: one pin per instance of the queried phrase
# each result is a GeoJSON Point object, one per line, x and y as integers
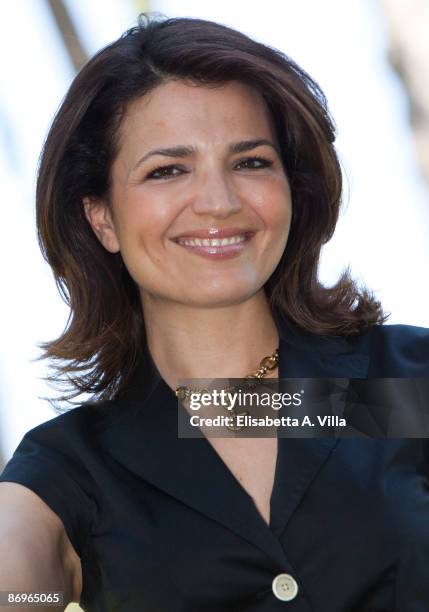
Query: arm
{"type": "Point", "coordinates": [35, 550]}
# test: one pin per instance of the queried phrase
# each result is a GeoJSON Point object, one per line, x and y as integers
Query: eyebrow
{"type": "Point", "coordinates": [185, 150]}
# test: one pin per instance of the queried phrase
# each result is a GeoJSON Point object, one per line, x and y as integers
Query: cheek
{"type": "Point", "coordinates": [274, 207]}
{"type": "Point", "coordinates": [144, 224]}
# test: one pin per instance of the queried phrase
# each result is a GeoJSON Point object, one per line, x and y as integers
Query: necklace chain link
{"type": "Point", "coordinates": [267, 364]}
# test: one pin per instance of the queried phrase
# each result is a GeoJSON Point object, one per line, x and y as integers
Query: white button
{"type": "Point", "coordinates": [285, 587]}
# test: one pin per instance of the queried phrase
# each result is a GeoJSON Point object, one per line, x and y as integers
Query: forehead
{"type": "Point", "coordinates": [183, 111]}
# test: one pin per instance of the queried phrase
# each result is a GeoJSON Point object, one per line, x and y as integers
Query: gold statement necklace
{"type": "Point", "coordinates": [267, 364]}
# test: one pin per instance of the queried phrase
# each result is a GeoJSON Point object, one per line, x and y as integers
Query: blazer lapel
{"type": "Point", "coordinates": [143, 438]}
{"type": "Point", "coordinates": [304, 355]}
{"type": "Point", "coordinates": [141, 435]}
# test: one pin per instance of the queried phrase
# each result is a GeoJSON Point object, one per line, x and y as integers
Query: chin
{"type": "Point", "coordinates": [218, 297]}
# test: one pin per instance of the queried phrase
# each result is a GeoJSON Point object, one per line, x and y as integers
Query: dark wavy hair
{"type": "Point", "coordinates": [105, 336]}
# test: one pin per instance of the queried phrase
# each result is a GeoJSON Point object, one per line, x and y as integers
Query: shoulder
{"type": "Point", "coordinates": [66, 446]}
{"type": "Point", "coordinates": [74, 428]}
{"type": "Point", "coordinates": [399, 350]}
{"type": "Point", "coordinates": [54, 461]}
{"type": "Point", "coordinates": [62, 436]}
{"type": "Point", "coordinates": [385, 351]}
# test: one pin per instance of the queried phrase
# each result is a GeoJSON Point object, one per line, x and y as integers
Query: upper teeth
{"type": "Point", "coordinates": [212, 241]}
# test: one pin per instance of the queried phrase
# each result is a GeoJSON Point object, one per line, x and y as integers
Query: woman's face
{"type": "Point", "coordinates": [200, 203]}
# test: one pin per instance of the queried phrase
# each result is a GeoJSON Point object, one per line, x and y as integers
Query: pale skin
{"type": "Point", "coordinates": [204, 317]}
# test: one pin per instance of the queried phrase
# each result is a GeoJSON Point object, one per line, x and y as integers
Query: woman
{"type": "Point", "coordinates": [185, 190]}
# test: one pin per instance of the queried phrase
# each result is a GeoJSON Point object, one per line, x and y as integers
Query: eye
{"type": "Point", "coordinates": [165, 172]}
{"type": "Point", "coordinates": [254, 163]}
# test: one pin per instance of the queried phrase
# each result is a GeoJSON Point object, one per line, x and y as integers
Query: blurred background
{"type": "Point", "coordinates": [371, 58]}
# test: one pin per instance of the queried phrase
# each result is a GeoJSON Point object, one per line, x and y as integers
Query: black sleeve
{"type": "Point", "coordinates": [42, 463]}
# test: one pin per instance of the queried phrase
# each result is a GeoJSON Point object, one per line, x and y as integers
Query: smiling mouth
{"type": "Point", "coordinates": [215, 248]}
{"type": "Point", "coordinates": [213, 242]}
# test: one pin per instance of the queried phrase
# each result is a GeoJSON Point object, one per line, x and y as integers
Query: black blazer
{"type": "Point", "coordinates": [162, 525]}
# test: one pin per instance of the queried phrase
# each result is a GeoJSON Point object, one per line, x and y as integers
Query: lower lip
{"type": "Point", "coordinates": [219, 252]}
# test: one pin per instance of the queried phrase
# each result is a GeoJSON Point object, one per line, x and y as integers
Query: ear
{"type": "Point", "coordinates": [100, 218]}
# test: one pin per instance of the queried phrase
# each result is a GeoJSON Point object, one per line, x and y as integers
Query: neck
{"type": "Point", "coordinates": [222, 342]}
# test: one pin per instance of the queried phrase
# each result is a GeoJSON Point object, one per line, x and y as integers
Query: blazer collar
{"type": "Point", "coordinates": [301, 355]}
{"type": "Point", "coordinates": [141, 434]}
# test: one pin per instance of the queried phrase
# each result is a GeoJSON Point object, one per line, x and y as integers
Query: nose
{"type": "Point", "coordinates": [214, 194]}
